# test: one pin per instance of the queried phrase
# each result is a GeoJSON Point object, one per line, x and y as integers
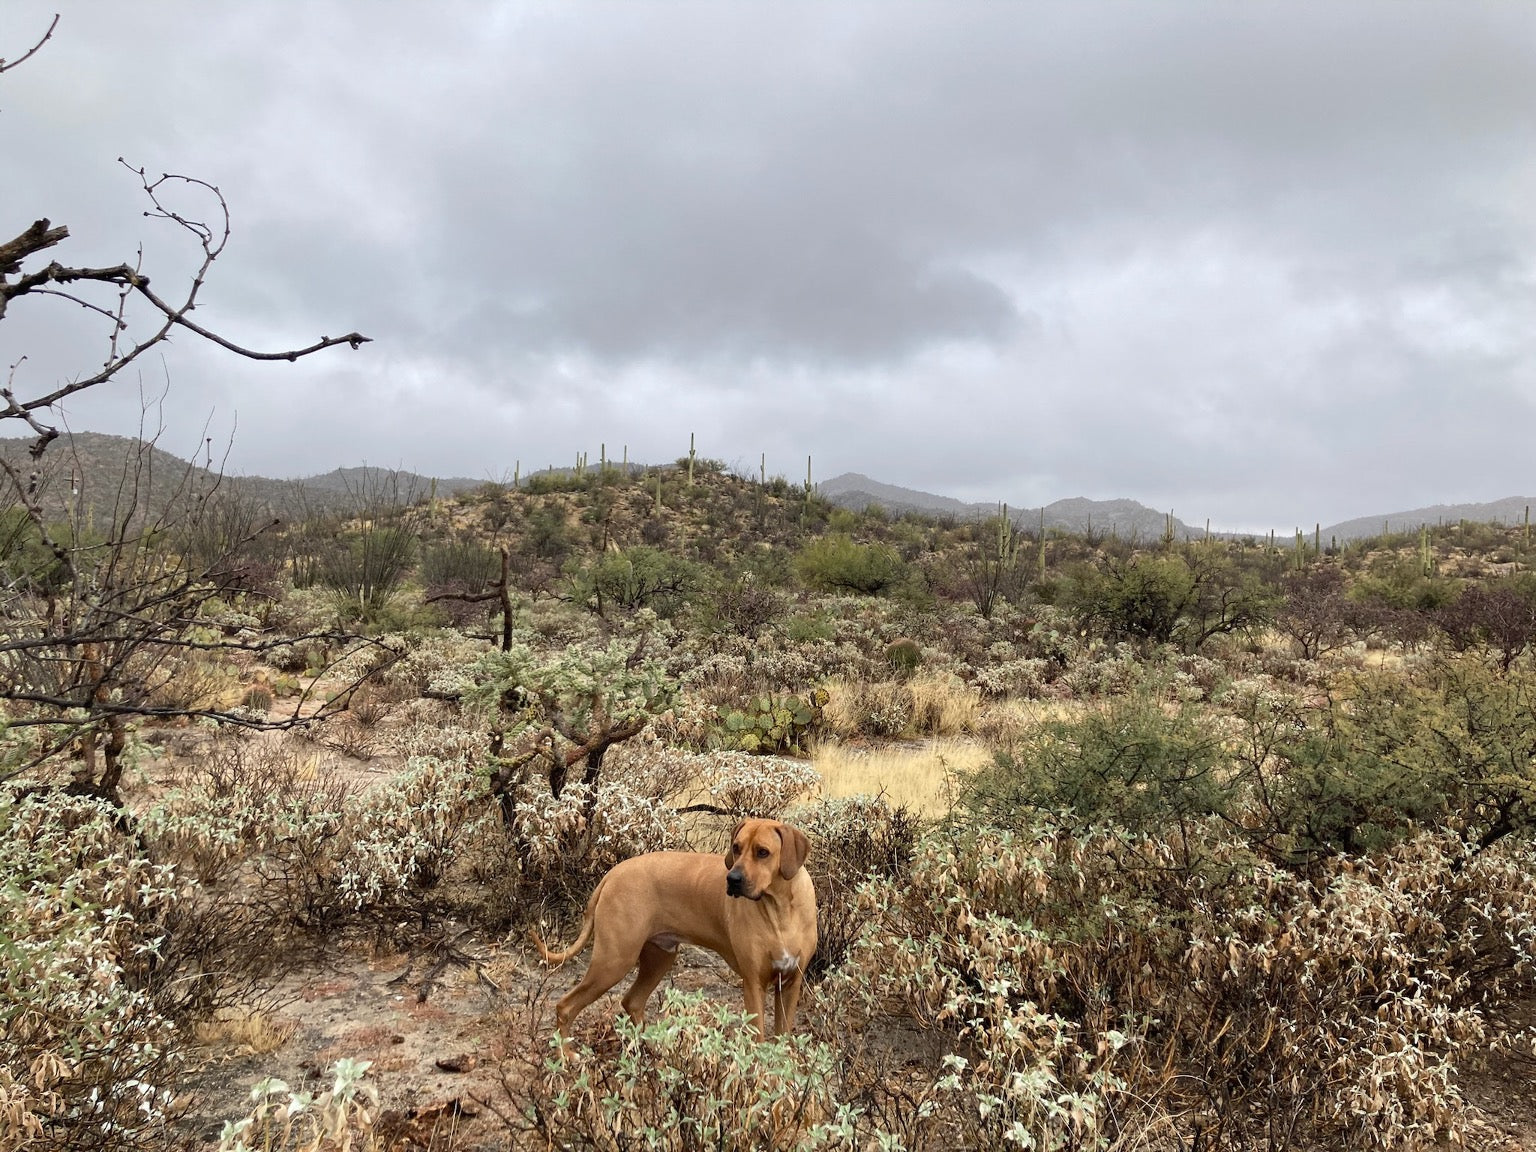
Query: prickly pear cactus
{"type": "Point", "coordinates": [773, 723]}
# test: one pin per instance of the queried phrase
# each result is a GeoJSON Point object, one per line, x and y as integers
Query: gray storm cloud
{"type": "Point", "coordinates": [1266, 263]}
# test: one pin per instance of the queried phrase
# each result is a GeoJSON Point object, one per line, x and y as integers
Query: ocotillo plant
{"type": "Point", "coordinates": [1041, 560]}
{"type": "Point", "coordinates": [1426, 561]}
{"type": "Point", "coordinates": [658, 492]}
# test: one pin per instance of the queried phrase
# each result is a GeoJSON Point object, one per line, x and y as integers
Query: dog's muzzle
{"type": "Point", "coordinates": [735, 882]}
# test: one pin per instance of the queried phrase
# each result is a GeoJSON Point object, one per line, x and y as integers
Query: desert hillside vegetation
{"type": "Point", "coordinates": [1153, 844]}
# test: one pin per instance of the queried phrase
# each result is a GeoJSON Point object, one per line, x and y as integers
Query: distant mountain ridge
{"type": "Point", "coordinates": [1126, 518]}
{"type": "Point", "coordinates": [1134, 520]}
{"type": "Point", "coordinates": [97, 465]}
{"type": "Point", "coordinates": [95, 462]}
{"type": "Point", "coordinates": [1511, 510]}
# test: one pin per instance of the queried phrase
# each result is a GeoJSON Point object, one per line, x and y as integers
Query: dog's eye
{"type": "Point", "coordinates": [736, 848]}
{"type": "Point", "coordinates": [762, 853]}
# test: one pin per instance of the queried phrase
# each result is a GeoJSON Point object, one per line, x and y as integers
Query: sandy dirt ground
{"type": "Point", "coordinates": [446, 1065]}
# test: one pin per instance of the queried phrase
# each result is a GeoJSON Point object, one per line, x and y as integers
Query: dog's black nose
{"type": "Point", "coordinates": [733, 882]}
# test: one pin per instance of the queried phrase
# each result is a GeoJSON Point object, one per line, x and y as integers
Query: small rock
{"type": "Point", "coordinates": [465, 1062]}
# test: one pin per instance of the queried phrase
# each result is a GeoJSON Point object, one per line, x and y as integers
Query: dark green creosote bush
{"type": "Point", "coordinates": [836, 563]}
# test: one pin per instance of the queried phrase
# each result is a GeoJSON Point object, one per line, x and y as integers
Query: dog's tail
{"type": "Point", "coordinates": [587, 917]}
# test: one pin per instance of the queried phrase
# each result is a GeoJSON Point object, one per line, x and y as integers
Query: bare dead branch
{"type": "Point", "coordinates": [7, 65]}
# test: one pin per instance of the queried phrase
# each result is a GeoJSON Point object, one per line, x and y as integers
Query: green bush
{"type": "Point", "coordinates": [1128, 762]}
{"type": "Point", "coordinates": [640, 577]}
{"type": "Point", "coordinates": [836, 563]}
{"type": "Point", "coordinates": [1450, 746]}
{"type": "Point", "coordinates": [1170, 599]}
{"type": "Point", "coordinates": [367, 566]}
{"type": "Point", "coordinates": [1402, 584]}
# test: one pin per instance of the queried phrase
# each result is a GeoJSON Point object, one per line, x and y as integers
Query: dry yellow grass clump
{"type": "Point", "coordinates": [931, 704]}
{"type": "Point", "coordinates": [244, 1032]}
{"type": "Point", "coordinates": [943, 705]}
{"type": "Point", "coordinates": [921, 776]}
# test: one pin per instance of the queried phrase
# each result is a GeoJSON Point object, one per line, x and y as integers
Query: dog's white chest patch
{"type": "Point", "coordinates": [784, 962]}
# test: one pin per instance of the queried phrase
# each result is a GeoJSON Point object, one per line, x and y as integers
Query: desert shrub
{"type": "Point", "coordinates": [1449, 745]}
{"type": "Point", "coordinates": [1026, 679]}
{"type": "Point", "coordinates": [861, 708]}
{"type": "Point", "coordinates": [853, 839]}
{"type": "Point", "coordinates": [366, 566]}
{"type": "Point", "coordinates": [836, 563]}
{"type": "Point", "coordinates": [1169, 599]}
{"type": "Point", "coordinates": [1317, 613]}
{"type": "Point", "coordinates": [756, 786]}
{"type": "Point", "coordinates": [1127, 761]}
{"type": "Point", "coordinates": [746, 606]}
{"type": "Point", "coordinates": [88, 1054]}
{"type": "Point", "coordinates": [558, 847]}
{"type": "Point", "coordinates": [548, 535]}
{"type": "Point", "coordinates": [1088, 993]}
{"type": "Point", "coordinates": [460, 565]}
{"type": "Point", "coordinates": [679, 1086]}
{"type": "Point", "coordinates": [1499, 615]}
{"type": "Point", "coordinates": [1106, 674]}
{"type": "Point", "coordinates": [312, 857]}
{"type": "Point", "coordinates": [403, 836]}
{"type": "Point", "coordinates": [638, 578]}
{"type": "Point", "coordinates": [807, 629]}
{"type": "Point", "coordinates": [282, 1120]}
{"type": "Point", "coordinates": [1402, 585]}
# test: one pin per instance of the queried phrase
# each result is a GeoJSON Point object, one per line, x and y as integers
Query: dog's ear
{"type": "Point", "coordinates": [730, 848]}
{"type": "Point", "coordinates": [796, 849]}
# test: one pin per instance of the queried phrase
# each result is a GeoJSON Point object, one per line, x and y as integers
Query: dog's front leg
{"type": "Point", "coordinates": [752, 990]}
{"type": "Point", "coordinates": [786, 1000]}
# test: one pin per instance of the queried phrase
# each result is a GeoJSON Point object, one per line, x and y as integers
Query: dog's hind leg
{"type": "Point", "coordinates": [608, 966]}
{"type": "Point", "coordinates": [655, 963]}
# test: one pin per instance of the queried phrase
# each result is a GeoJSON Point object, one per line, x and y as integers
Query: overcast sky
{"type": "Point", "coordinates": [1264, 264]}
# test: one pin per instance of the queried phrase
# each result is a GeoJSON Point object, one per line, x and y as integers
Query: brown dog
{"type": "Point", "coordinates": [758, 912]}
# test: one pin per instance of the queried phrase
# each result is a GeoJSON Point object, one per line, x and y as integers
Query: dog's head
{"type": "Point", "coordinates": [761, 852]}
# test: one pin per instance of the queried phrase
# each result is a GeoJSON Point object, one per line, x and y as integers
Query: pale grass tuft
{"type": "Point", "coordinates": [922, 777]}
{"type": "Point", "coordinates": [1004, 722]}
{"type": "Point", "coordinates": [842, 712]}
{"type": "Point", "coordinates": [943, 705]}
{"type": "Point", "coordinates": [244, 1032]}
